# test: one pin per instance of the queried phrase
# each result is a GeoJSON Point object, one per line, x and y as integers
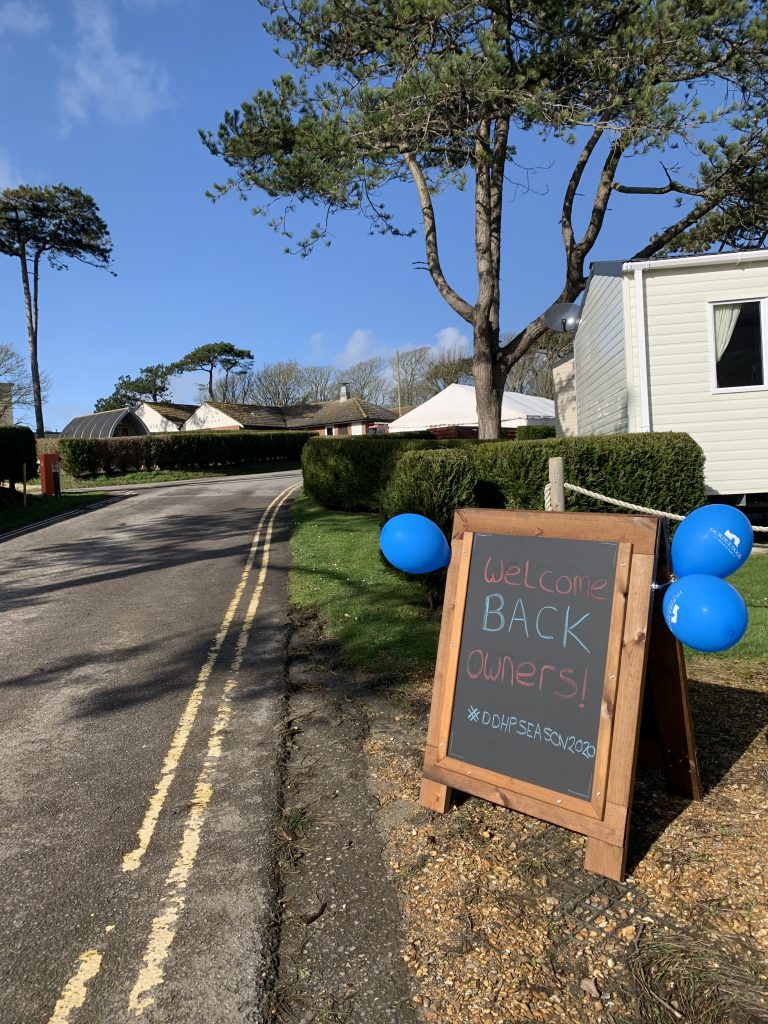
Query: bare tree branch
{"type": "Point", "coordinates": [454, 300]}
{"type": "Point", "coordinates": [573, 185]}
{"type": "Point", "coordinates": [669, 234]}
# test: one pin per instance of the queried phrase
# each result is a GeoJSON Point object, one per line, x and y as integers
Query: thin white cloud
{"type": "Point", "coordinates": [10, 177]}
{"type": "Point", "coordinates": [361, 344]}
{"type": "Point", "coordinates": [18, 16]}
{"type": "Point", "coordinates": [449, 337]}
{"type": "Point", "coordinates": [122, 87]}
{"type": "Point", "coordinates": [316, 344]}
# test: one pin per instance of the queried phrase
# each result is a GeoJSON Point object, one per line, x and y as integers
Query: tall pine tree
{"type": "Point", "coordinates": [437, 93]}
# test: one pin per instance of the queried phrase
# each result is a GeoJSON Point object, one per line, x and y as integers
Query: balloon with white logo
{"type": "Point", "coordinates": [705, 612]}
{"type": "Point", "coordinates": [714, 540]}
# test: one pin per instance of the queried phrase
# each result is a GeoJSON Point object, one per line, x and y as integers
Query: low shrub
{"type": "Point", "coordinates": [661, 471]}
{"type": "Point", "coordinates": [664, 471]}
{"type": "Point", "coordinates": [17, 450]}
{"type": "Point", "coordinates": [432, 484]}
{"type": "Point", "coordinates": [534, 433]}
{"type": "Point", "coordinates": [179, 450]}
{"type": "Point", "coordinates": [127, 454]}
{"type": "Point", "coordinates": [47, 446]}
{"type": "Point", "coordinates": [229, 448]}
{"type": "Point", "coordinates": [80, 456]}
{"type": "Point", "coordinates": [350, 474]}
{"type": "Point", "coordinates": [161, 451]}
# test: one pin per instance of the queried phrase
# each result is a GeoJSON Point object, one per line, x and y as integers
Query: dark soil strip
{"type": "Point", "coordinates": [341, 939]}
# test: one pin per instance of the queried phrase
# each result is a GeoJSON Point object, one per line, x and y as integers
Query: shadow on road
{"type": "Point", "coordinates": [129, 550]}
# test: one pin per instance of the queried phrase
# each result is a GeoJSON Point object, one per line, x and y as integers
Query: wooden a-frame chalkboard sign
{"type": "Point", "coordinates": [555, 672]}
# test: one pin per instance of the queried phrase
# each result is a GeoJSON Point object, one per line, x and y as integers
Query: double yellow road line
{"type": "Point", "coordinates": [163, 930]}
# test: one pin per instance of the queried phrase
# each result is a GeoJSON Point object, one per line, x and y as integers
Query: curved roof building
{"type": "Point", "coordinates": [113, 423]}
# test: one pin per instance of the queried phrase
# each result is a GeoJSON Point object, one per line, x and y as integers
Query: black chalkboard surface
{"type": "Point", "coordinates": [532, 660]}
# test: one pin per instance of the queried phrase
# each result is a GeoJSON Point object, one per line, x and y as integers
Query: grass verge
{"type": "Point", "coordinates": [158, 476]}
{"type": "Point", "coordinates": [678, 978]}
{"type": "Point", "coordinates": [381, 619]}
{"type": "Point", "coordinates": [751, 652]}
{"type": "Point", "coordinates": [378, 616]}
{"type": "Point", "coordinates": [13, 515]}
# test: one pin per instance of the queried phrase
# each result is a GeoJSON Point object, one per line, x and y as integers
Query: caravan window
{"type": "Point", "coordinates": [739, 332]}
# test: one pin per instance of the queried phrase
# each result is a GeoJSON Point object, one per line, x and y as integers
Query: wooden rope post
{"type": "Point", "coordinates": [557, 485]}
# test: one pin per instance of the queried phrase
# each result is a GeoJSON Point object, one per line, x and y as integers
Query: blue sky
{"type": "Point", "coordinates": [107, 96]}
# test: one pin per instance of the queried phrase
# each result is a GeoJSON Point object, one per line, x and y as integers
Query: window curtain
{"type": "Point", "coordinates": [725, 320]}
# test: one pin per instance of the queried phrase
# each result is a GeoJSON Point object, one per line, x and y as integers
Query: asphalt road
{"type": "Point", "coordinates": [141, 690]}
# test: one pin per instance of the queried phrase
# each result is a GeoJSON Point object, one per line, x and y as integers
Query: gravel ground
{"type": "Point", "coordinates": [499, 922]}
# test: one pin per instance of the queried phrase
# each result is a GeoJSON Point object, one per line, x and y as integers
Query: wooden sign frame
{"type": "Point", "coordinates": [642, 560]}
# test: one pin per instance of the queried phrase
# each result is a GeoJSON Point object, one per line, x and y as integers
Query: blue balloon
{"type": "Point", "coordinates": [705, 612]}
{"type": "Point", "coordinates": [714, 540]}
{"type": "Point", "coordinates": [414, 544]}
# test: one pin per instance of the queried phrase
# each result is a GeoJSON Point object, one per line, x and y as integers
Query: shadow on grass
{"type": "Point", "coordinates": [42, 511]}
{"type": "Point", "coordinates": [386, 637]}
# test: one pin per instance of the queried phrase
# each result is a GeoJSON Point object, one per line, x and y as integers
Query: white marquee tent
{"type": "Point", "coordinates": [456, 407]}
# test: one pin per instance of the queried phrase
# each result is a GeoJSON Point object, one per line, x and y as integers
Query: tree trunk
{"type": "Point", "coordinates": [31, 307]}
{"type": "Point", "coordinates": [489, 382]}
{"type": "Point", "coordinates": [490, 157]}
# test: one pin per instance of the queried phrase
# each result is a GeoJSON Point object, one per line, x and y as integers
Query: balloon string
{"type": "Point", "coordinates": [661, 586]}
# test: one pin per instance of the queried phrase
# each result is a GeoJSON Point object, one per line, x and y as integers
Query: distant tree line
{"type": "Point", "coordinates": [406, 380]}
{"type": "Point", "coordinates": [419, 372]}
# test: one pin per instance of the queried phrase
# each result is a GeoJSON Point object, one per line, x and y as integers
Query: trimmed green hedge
{"type": "Point", "coordinates": [80, 456]}
{"type": "Point", "coordinates": [661, 471]}
{"type": "Point", "coordinates": [47, 446]}
{"type": "Point", "coordinates": [432, 484]}
{"type": "Point", "coordinates": [17, 449]}
{"type": "Point", "coordinates": [349, 474]}
{"type": "Point", "coordinates": [664, 471]}
{"type": "Point", "coordinates": [534, 433]}
{"type": "Point", "coordinates": [187, 449]}
{"type": "Point", "coordinates": [183, 450]}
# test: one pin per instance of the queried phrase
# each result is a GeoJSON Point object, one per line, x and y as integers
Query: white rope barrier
{"type": "Point", "coordinates": [624, 504]}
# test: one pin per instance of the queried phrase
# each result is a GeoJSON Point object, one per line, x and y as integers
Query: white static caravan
{"type": "Point", "coordinates": [681, 344]}
{"type": "Point", "coordinates": [564, 379]}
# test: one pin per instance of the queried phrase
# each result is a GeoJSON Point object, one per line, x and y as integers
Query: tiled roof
{"type": "Point", "coordinates": [172, 411]}
{"type": "Point", "coordinates": [320, 414]}
{"type": "Point", "coordinates": [305, 415]}
{"type": "Point", "coordinates": [252, 415]}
